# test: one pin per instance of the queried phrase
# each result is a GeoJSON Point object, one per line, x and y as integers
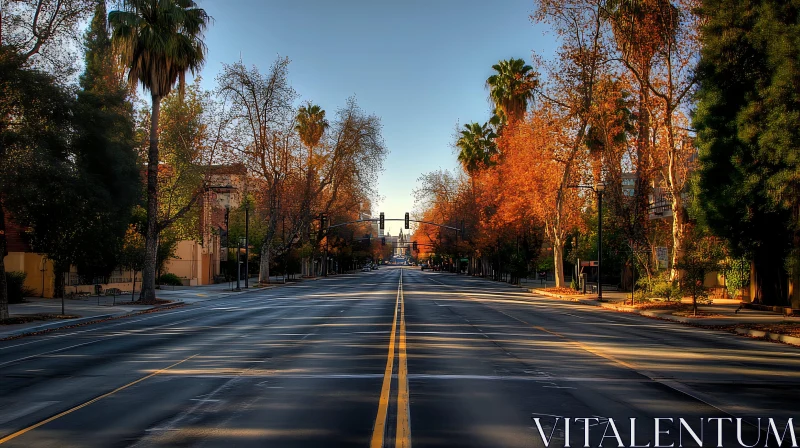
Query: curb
{"type": "Point", "coordinates": [792, 340]}
{"type": "Point", "coordinates": [759, 334]}
{"type": "Point", "coordinates": [656, 314]}
{"type": "Point", "coordinates": [53, 325]}
{"type": "Point", "coordinates": [79, 321]}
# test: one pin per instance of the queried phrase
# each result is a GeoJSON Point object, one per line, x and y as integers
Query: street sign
{"type": "Point", "coordinates": [590, 263]}
{"type": "Point", "coordinates": [662, 254]}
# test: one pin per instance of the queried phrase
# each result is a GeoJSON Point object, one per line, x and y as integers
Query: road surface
{"type": "Point", "coordinates": [394, 357]}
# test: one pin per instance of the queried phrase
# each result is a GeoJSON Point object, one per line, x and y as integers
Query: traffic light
{"type": "Point", "coordinates": [407, 220]}
{"type": "Point", "coordinates": [323, 218]}
{"type": "Point", "coordinates": [383, 241]}
{"type": "Point", "coordinates": [414, 245]}
{"type": "Point", "coordinates": [381, 220]}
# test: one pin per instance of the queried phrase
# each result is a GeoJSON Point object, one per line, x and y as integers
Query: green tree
{"type": "Point", "coordinates": [105, 152]}
{"type": "Point", "coordinates": [511, 90]}
{"type": "Point", "coordinates": [35, 123]}
{"type": "Point", "coordinates": [184, 149]}
{"type": "Point", "coordinates": [748, 132]}
{"type": "Point", "coordinates": [131, 254]}
{"type": "Point", "coordinates": [75, 190]}
{"type": "Point", "coordinates": [158, 41]}
{"type": "Point", "coordinates": [701, 255]}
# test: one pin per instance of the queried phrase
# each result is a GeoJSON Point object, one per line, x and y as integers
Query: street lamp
{"type": "Point", "coordinates": [240, 242]}
{"type": "Point", "coordinates": [598, 188]}
{"type": "Point", "coordinates": [246, 243]}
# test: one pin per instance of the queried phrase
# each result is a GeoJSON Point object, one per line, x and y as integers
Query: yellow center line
{"type": "Point", "coordinates": [403, 433]}
{"type": "Point", "coordinates": [94, 400]}
{"type": "Point", "coordinates": [379, 429]}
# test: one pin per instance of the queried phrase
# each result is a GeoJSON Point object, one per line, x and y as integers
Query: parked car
{"type": "Point", "coordinates": [423, 267]}
{"type": "Point", "coordinates": [365, 269]}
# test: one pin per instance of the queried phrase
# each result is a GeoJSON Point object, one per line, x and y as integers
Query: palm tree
{"type": "Point", "coordinates": [158, 41]}
{"type": "Point", "coordinates": [311, 126]}
{"type": "Point", "coordinates": [477, 147]}
{"type": "Point", "coordinates": [511, 90]}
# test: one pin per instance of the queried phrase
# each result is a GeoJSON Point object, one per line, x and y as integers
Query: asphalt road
{"type": "Point", "coordinates": [391, 358]}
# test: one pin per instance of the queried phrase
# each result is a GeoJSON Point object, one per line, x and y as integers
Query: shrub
{"type": "Point", "coordinates": [573, 284]}
{"type": "Point", "coordinates": [15, 282]}
{"type": "Point", "coordinates": [737, 275]}
{"type": "Point", "coordinates": [665, 289]}
{"type": "Point", "coordinates": [659, 286]}
{"type": "Point", "coordinates": [170, 280]}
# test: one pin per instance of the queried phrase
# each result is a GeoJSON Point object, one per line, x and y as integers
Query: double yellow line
{"type": "Point", "coordinates": [403, 430]}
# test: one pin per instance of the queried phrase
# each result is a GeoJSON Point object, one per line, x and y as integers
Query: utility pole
{"type": "Point", "coordinates": [599, 188]}
{"type": "Point", "coordinates": [238, 263]}
{"type": "Point", "coordinates": [246, 244]}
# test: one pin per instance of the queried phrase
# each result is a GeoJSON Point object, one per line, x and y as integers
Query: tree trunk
{"type": "Point", "coordinates": [59, 285]}
{"type": "Point", "coordinates": [638, 230]}
{"type": "Point", "coordinates": [558, 260]}
{"type": "Point", "coordinates": [3, 287]}
{"type": "Point", "coordinates": [148, 294]}
{"type": "Point", "coordinates": [263, 267]}
{"type": "Point", "coordinates": [794, 299]}
{"type": "Point", "coordinates": [678, 223]}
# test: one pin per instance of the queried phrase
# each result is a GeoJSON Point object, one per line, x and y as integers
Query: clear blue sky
{"type": "Point", "coordinates": [420, 65]}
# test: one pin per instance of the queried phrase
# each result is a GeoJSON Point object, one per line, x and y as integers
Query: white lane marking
{"type": "Point", "coordinates": [128, 332]}
{"type": "Point", "coordinates": [48, 353]}
{"type": "Point", "coordinates": [191, 307]}
{"type": "Point", "coordinates": [24, 410]}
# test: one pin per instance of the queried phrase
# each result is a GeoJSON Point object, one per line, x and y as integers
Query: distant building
{"type": "Point", "coordinates": [199, 262]}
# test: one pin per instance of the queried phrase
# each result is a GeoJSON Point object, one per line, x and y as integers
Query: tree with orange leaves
{"type": "Point", "coordinates": [658, 43]}
{"type": "Point", "coordinates": [538, 167]}
{"type": "Point", "coordinates": [563, 118]}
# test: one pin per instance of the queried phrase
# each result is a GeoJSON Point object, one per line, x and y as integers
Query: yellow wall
{"type": "Point", "coordinates": [184, 265]}
{"type": "Point", "coordinates": [31, 264]}
{"type": "Point", "coordinates": [196, 264]}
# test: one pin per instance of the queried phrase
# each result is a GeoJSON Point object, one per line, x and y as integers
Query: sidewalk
{"type": "Point", "coordinates": [721, 313]}
{"type": "Point", "coordinates": [85, 309]}
{"type": "Point", "coordinates": [93, 308]}
{"type": "Point", "coordinates": [194, 294]}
